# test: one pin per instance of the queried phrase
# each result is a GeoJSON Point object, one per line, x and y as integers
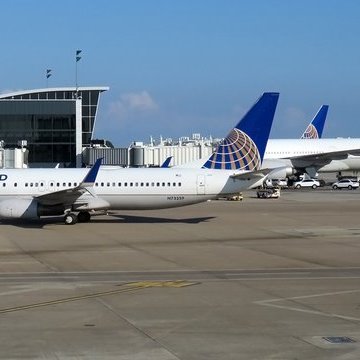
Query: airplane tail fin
{"type": "Point", "coordinates": [244, 147]}
{"type": "Point", "coordinates": [167, 162]}
{"type": "Point", "coordinates": [315, 128]}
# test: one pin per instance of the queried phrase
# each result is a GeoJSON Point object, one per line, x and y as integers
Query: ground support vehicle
{"type": "Point", "coordinates": [268, 193]}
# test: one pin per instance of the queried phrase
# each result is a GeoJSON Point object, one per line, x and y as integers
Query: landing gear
{"type": "Point", "coordinates": [70, 219]}
{"type": "Point", "coordinates": [81, 217]}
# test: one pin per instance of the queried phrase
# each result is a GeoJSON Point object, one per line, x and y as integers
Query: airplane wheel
{"type": "Point", "coordinates": [335, 187]}
{"type": "Point", "coordinates": [298, 186]}
{"type": "Point", "coordinates": [314, 186]}
{"type": "Point", "coordinates": [350, 187]}
{"type": "Point", "coordinates": [70, 219]}
{"type": "Point", "coordinates": [83, 217]}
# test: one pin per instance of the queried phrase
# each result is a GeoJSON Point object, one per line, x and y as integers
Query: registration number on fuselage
{"type": "Point", "coordinates": [171, 198]}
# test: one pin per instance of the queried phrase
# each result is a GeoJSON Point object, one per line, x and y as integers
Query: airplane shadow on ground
{"type": "Point", "coordinates": [158, 220]}
{"type": "Point", "coordinates": [115, 218]}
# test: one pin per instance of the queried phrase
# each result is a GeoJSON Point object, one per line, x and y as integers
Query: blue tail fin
{"type": "Point", "coordinates": [315, 128]}
{"type": "Point", "coordinates": [244, 147]}
{"type": "Point", "coordinates": [166, 163]}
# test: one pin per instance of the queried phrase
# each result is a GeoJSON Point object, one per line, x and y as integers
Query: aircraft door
{"type": "Point", "coordinates": [200, 184]}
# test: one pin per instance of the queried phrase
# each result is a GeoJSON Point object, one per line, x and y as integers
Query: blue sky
{"type": "Point", "coordinates": [178, 67]}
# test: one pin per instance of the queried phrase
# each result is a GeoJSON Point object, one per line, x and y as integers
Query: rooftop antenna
{"type": "Point", "coordinates": [48, 74]}
{"type": "Point", "coordinates": [77, 59]}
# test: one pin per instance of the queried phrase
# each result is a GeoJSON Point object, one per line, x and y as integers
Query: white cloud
{"type": "Point", "coordinates": [139, 101]}
{"type": "Point", "coordinates": [131, 103]}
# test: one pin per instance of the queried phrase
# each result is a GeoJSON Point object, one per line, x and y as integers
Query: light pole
{"type": "Point", "coordinates": [77, 59]}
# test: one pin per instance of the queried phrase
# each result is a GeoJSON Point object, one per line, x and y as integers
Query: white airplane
{"type": "Point", "coordinates": [312, 154]}
{"type": "Point", "coordinates": [233, 167]}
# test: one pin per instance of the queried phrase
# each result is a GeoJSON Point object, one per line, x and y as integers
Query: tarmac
{"type": "Point", "coordinates": [252, 279]}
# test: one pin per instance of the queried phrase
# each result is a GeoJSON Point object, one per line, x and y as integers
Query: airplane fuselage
{"type": "Point", "coordinates": [285, 149]}
{"type": "Point", "coordinates": [126, 189]}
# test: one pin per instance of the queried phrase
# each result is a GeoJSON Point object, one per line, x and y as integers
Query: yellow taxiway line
{"type": "Point", "coordinates": [128, 287]}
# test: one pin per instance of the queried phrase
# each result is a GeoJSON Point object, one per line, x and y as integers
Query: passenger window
{"type": "Point", "coordinates": [174, 184]}
{"type": "Point", "coordinates": [147, 184]}
{"type": "Point", "coordinates": [15, 184]}
{"type": "Point", "coordinates": [158, 184]}
{"type": "Point", "coordinates": [131, 184]}
{"type": "Point", "coordinates": [31, 184]}
{"type": "Point", "coordinates": [179, 184]}
{"type": "Point", "coordinates": [58, 184]}
{"type": "Point", "coordinates": [108, 184]}
{"type": "Point", "coordinates": [64, 184]}
{"type": "Point", "coordinates": [96, 184]}
{"type": "Point", "coordinates": [125, 184]}
{"type": "Point", "coordinates": [141, 184]}
{"type": "Point", "coordinates": [102, 184]}
{"type": "Point", "coordinates": [163, 184]}
{"type": "Point", "coordinates": [119, 184]}
{"type": "Point", "coordinates": [169, 184]}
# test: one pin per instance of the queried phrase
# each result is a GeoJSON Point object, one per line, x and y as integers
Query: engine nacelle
{"type": "Point", "coordinates": [282, 173]}
{"type": "Point", "coordinates": [19, 208]}
{"type": "Point", "coordinates": [284, 166]}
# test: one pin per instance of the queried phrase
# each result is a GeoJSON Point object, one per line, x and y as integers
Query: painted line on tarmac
{"type": "Point", "coordinates": [271, 303]}
{"type": "Point", "coordinates": [129, 287]}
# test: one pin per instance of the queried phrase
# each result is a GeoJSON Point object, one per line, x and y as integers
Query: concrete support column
{"type": "Point", "coordinates": [78, 139]}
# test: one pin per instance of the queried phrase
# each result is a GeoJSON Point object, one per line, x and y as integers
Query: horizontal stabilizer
{"type": "Point", "coordinates": [252, 174]}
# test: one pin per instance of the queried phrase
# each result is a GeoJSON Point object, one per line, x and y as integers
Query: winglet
{"type": "Point", "coordinates": [166, 163]}
{"type": "Point", "coordinates": [244, 147]}
{"type": "Point", "coordinates": [90, 177]}
{"type": "Point", "coordinates": [315, 128]}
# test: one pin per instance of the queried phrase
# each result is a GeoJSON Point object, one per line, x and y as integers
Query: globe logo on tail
{"type": "Point", "coordinates": [236, 152]}
{"type": "Point", "coordinates": [310, 133]}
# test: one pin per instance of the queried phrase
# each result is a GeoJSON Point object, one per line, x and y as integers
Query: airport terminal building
{"type": "Point", "coordinates": [57, 123]}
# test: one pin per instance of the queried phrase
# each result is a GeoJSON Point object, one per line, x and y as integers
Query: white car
{"type": "Point", "coordinates": [345, 184]}
{"type": "Point", "coordinates": [313, 183]}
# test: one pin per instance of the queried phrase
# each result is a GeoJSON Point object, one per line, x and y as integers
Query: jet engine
{"type": "Point", "coordinates": [19, 208]}
{"type": "Point", "coordinates": [282, 168]}
{"type": "Point", "coordinates": [27, 209]}
{"type": "Point", "coordinates": [282, 173]}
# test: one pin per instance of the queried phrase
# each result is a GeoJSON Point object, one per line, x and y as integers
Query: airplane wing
{"type": "Point", "coordinates": [69, 196]}
{"type": "Point", "coordinates": [319, 160]}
